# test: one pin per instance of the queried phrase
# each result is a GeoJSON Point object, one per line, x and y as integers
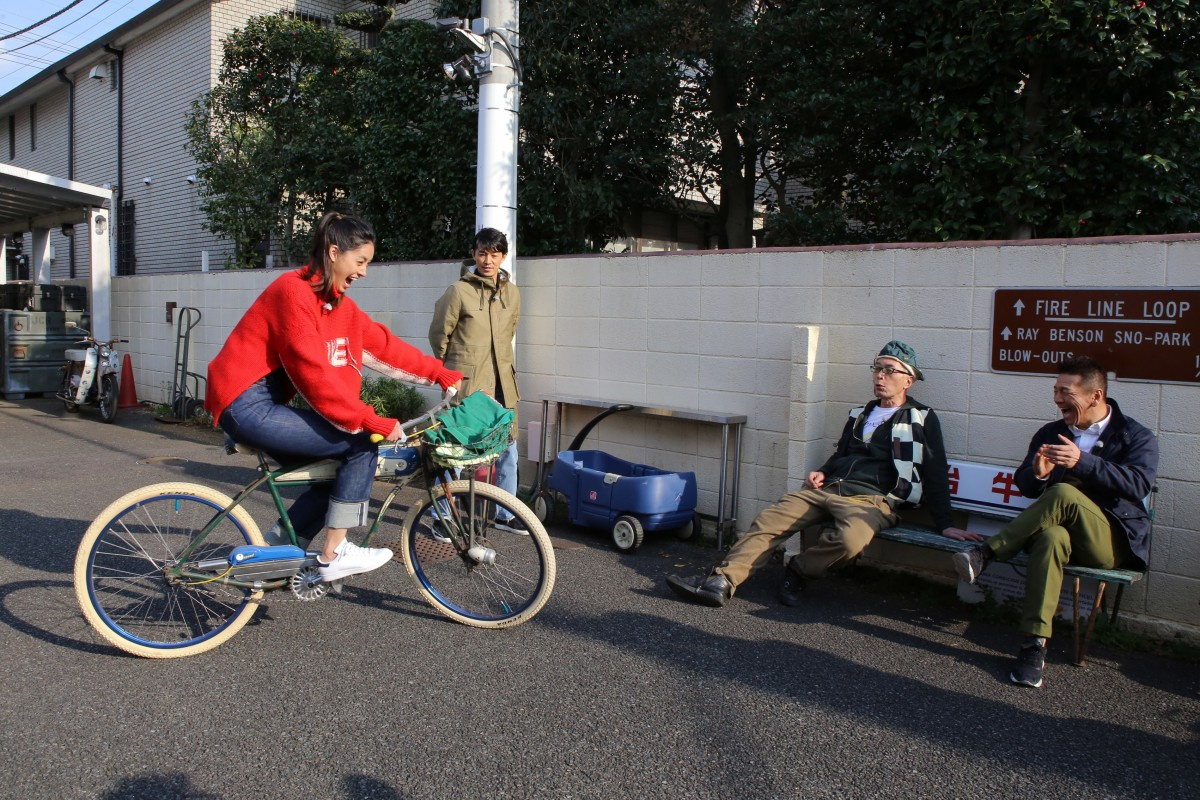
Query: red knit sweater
{"type": "Point", "coordinates": [323, 349]}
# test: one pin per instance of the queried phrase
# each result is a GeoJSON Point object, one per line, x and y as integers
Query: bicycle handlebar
{"type": "Point", "coordinates": [430, 415]}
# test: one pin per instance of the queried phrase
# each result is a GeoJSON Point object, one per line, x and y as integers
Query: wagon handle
{"type": "Point", "coordinates": [579, 437]}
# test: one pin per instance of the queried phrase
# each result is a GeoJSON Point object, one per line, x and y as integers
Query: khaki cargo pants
{"type": "Point", "coordinates": [855, 520]}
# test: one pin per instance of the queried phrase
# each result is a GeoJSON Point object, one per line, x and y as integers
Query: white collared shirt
{"type": "Point", "coordinates": [1086, 438]}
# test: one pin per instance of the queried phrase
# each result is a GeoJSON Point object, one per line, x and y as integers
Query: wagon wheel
{"type": "Point", "coordinates": [543, 506]}
{"type": "Point", "coordinates": [627, 533]}
{"type": "Point", "coordinates": [689, 529]}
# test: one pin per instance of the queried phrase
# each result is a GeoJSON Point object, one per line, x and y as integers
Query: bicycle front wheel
{"type": "Point", "coordinates": [121, 571]}
{"type": "Point", "coordinates": [501, 582]}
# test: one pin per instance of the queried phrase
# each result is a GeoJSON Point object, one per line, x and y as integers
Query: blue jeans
{"type": "Point", "coordinates": [506, 474]}
{"type": "Point", "coordinates": [260, 418]}
{"type": "Point", "coordinates": [506, 479]}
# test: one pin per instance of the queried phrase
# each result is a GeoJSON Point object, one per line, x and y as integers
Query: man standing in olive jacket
{"type": "Point", "coordinates": [473, 329]}
{"type": "Point", "coordinates": [1090, 472]}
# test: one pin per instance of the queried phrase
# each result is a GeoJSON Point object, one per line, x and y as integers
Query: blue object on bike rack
{"type": "Point", "coordinates": [398, 461]}
{"type": "Point", "coordinates": [254, 553]}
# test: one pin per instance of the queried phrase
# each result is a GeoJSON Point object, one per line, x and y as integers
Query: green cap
{"type": "Point", "coordinates": [904, 354]}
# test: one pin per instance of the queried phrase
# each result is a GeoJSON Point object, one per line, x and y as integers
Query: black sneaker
{"type": "Point", "coordinates": [512, 525]}
{"type": "Point", "coordinates": [1031, 661]}
{"type": "Point", "coordinates": [713, 590]}
{"type": "Point", "coordinates": [791, 590]}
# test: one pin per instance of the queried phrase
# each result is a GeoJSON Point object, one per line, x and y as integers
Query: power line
{"type": "Point", "coordinates": [60, 30]}
{"type": "Point", "coordinates": [43, 22]}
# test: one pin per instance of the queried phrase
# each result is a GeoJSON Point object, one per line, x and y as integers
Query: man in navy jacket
{"type": "Point", "coordinates": [1090, 472]}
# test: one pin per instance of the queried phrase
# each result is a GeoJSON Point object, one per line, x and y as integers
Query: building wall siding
{"type": "Point", "coordinates": [164, 73]}
{"type": "Point", "coordinates": [166, 70]}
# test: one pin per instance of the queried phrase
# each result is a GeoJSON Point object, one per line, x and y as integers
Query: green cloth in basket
{"type": "Point", "coordinates": [473, 432]}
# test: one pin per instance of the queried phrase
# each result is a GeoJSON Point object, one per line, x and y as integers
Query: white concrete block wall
{"type": "Point", "coordinates": [782, 336]}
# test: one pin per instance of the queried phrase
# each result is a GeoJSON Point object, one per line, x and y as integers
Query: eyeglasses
{"type": "Point", "coordinates": [888, 371]}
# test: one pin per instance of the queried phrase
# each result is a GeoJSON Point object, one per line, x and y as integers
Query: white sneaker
{"type": "Point", "coordinates": [352, 560]}
{"type": "Point", "coordinates": [437, 532]}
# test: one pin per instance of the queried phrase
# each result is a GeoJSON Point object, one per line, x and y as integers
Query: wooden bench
{"type": "Point", "coordinates": [989, 490]}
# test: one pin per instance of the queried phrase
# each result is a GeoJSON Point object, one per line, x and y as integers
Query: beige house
{"type": "Point", "coordinates": [112, 114]}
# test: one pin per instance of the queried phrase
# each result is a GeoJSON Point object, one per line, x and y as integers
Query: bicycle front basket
{"type": "Point", "coordinates": [475, 431]}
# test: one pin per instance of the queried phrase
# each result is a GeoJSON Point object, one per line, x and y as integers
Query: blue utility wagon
{"type": "Point", "coordinates": [603, 491]}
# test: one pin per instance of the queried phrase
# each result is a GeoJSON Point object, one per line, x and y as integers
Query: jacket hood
{"type": "Point", "coordinates": [487, 288]}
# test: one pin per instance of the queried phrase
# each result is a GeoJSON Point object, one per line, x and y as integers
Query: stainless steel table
{"type": "Point", "coordinates": [731, 424]}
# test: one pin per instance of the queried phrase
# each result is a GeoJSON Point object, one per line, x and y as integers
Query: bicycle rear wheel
{"type": "Point", "coordinates": [503, 583]}
{"type": "Point", "coordinates": [120, 571]}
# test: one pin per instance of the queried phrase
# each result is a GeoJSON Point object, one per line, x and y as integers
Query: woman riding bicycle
{"type": "Point", "coordinates": [303, 335]}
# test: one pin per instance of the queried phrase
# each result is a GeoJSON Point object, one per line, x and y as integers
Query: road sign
{"type": "Point", "coordinates": [1139, 334]}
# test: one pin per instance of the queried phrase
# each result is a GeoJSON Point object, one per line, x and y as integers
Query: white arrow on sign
{"type": "Point", "coordinates": [1004, 334]}
{"type": "Point", "coordinates": [1018, 306]}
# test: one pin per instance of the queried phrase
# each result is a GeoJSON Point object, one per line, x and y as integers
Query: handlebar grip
{"type": "Point", "coordinates": [376, 438]}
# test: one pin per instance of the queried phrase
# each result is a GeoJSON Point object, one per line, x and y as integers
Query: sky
{"type": "Point", "coordinates": [24, 56]}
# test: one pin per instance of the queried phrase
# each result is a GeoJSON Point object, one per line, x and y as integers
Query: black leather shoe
{"type": "Point", "coordinates": [712, 591]}
{"type": "Point", "coordinates": [791, 589]}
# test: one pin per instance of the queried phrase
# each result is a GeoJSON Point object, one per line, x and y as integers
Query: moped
{"type": "Point", "coordinates": [90, 375]}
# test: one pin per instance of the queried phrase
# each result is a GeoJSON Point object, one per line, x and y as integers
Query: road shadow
{"type": "Point", "coordinates": [843, 598]}
{"type": "Point", "coordinates": [823, 683]}
{"type": "Point", "coordinates": [178, 786]}
{"type": "Point", "coordinates": [41, 543]}
{"type": "Point", "coordinates": [59, 620]}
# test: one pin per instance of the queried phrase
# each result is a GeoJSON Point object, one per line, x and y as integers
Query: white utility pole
{"type": "Point", "coordinates": [499, 104]}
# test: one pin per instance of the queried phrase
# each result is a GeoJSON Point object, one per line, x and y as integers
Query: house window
{"type": "Point", "coordinates": [126, 257]}
{"type": "Point", "coordinates": [315, 19]}
{"type": "Point", "coordinates": [33, 126]}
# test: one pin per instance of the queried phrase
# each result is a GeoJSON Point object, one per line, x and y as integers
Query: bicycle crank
{"type": "Point", "coordinates": [306, 584]}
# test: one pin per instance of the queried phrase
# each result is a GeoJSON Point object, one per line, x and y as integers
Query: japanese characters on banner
{"type": "Point", "coordinates": [989, 489]}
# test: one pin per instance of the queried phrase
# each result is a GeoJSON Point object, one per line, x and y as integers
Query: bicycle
{"type": "Point", "coordinates": [175, 569]}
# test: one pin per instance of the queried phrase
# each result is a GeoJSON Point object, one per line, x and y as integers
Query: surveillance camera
{"type": "Point", "coordinates": [462, 67]}
{"type": "Point", "coordinates": [472, 40]}
{"type": "Point", "coordinates": [190, 179]}
{"type": "Point", "coordinates": [146, 181]}
{"type": "Point", "coordinates": [443, 24]}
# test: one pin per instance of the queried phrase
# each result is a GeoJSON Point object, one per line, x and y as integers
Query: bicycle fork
{"type": "Point", "coordinates": [462, 533]}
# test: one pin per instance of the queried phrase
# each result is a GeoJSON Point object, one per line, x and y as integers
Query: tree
{"type": "Point", "coordinates": [416, 182]}
{"type": "Point", "coordinates": [865, 120]}
{"type": "Point", "coordinates": [596, 107]}
{"type": "Point", "coordinates": [720, 133]}
{"type": "Point", "coordinates": [274, 140]}
{"type": "Point", "coordinates": [985, 119]}
{"type": "Point", "coordinates": [1049, 119]}
{"type": "Point", "coordinates": [596, 114]}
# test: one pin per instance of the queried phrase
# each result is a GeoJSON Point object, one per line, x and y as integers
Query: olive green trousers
{"type": "Point", "coordinates": [1061, 526]}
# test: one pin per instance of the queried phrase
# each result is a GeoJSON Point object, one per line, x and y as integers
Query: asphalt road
{"type": "Point", "coordinates": [615, 690]}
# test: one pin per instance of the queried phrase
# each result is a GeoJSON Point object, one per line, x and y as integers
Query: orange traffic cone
{"type": "Point", "coordinates": [128, 397]}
